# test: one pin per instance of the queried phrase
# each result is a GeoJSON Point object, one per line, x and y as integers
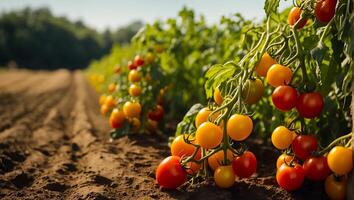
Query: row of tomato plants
{"type": "Point", "coordinates": [211, 137]}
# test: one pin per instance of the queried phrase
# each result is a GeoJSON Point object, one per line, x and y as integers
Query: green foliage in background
{"type": "Point", "coordinates": [37, 39]}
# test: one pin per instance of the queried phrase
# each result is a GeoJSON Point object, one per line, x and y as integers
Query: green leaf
{"type": "Point", "coordinates": [271, 7]}
{"type": "Point", "coordinates": [217, 74]}
{"type": "Point", "coordinates": [187, 124]}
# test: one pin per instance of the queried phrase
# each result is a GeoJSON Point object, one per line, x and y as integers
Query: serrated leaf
{"type": "Point", "coordinates": [271, 7]}
{"type": "Point", "coordinates": [217, 74]}
{"type": "Point", "coordinates": [187, 124]}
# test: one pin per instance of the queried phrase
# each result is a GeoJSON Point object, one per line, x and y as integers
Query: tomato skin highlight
{"type": "Point", "coordinates": [209, 135]}
{"type": "Point", "coordinates": [284, 97]}
{"type": "Point", "coordinates": [245, 165]}
{"type": "Point", "coordinates": [253, 91]}
{"type": "Point", "coordinates": [290, 178]}
{"type": "Point", "coordinates": [340, 160]}
{"type": "Point", "coordinates": [224, 176]}
{"type": "Point", "coordinates": [325, 10]}
{"type": "Point", "coordinates": [282, 137]}
{"type": "Point", "coordinates": [336, 189]}
{"type": "Point", "coordinates": [279, 75]}
{"type": "Point", "coordinates": [304, 145]}
{"type": "Point", "coordinates": [316, 168]}
{"type": "Point", "coordinates": [294, 16]}
{"type": "Point", "coordinates": [170, 174]}
{"type": "Point", "coordinates": [264, 64]}
{"type": "Point", "coordinates": [239, 127]}
{"type": "Point", "coordinates": [310, 105]}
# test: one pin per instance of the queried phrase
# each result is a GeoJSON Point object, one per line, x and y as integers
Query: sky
{"type": "Point", "coordinates": [102, 14]}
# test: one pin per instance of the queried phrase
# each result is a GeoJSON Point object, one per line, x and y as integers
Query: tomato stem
{"type": "Point", "coordinates": [335, 142]}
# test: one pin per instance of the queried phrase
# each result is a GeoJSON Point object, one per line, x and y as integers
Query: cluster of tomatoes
{"type": "Point", "coordinates": [209, 149]}
{"type": "Point", "coordinates": [301, 159]}
{"type": "Point", "coordinates": [127, 111]}
{"type": "Point", "coordinates": [324, 11]}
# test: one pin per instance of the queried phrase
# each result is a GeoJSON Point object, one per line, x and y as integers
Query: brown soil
{"type": "Point", "coordinates": [54, 145]}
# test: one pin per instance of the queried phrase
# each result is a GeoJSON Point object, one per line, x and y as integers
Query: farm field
{"type": "Point", "coordinates": [53, 145]}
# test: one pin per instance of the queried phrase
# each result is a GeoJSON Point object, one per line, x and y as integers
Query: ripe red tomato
{"type": "Point", "coordinates": [316, 168]}
{"type": "Point", "coordinates": [284, 97]}
{"type": "Point", "coordinates": [310, 105]}
{"type": "Point", "coordinates": [290, 178]}
{"type": "Point", "coordinates": [304, 145]}
{"type": "Point", "coordinates": [156, 114]}
{"type": "Point", "coordinates": [170, 174]}
{"type": "Point", "coordinates": [138, 61]}
{"type": "Point", "coordinates": [294, 16]}
{"type": "Point", "coordinates": [325, 10]}
{"type": "Point", "coordinates": [245, 165]}
{"type": "Point", "coordinates": [131, 65]}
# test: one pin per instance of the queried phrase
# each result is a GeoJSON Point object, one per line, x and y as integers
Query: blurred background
{"type": "Point", "coordinates": [51, 34]}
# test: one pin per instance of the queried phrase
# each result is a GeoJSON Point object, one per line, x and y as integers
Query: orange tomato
{"type": "Point", "coordinates": [132, 109]}
{"type": "Point", "coordinates": [294, 16]}
{"type": "Point", "coordinates": [239, 127]}
{"type": "Point", "coordinates": [102, 99]}
{"type": "Point", "coordinates": [209, 135]}
{"type": "Point", "coordinates": [217, 96]}
{"type": "Point", "coordinates": [217, 159]}
{"type": "Point", "coordinates": [283, 158]}
{"type": "Point", "coordinates": [111, 88]}
{"type": "Point", "coordinates": [104, 109]}
{"type": "Point", "coordinates": [203, 116]}
{"type": "Point", "coordinates": [109, 101]}
{"type": "Point", "coordinates": [117, 118]}
{"type": "Point", "coordinates": [264, 64]}
{"type": "Point", "coordinates": [279, 75]}
{"type": "Point", "coordinates": [134, 90]}
{"type": "Point", "coordinates": [134, 76]}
